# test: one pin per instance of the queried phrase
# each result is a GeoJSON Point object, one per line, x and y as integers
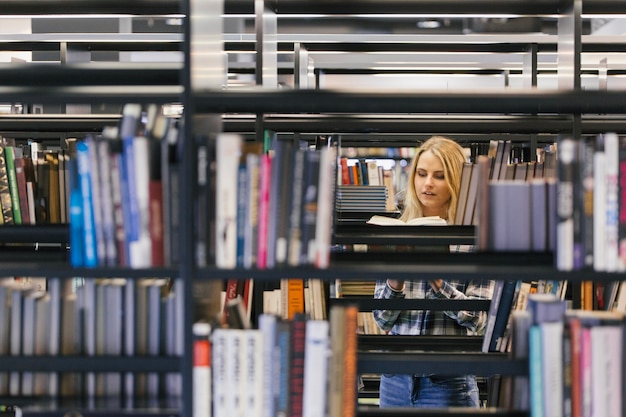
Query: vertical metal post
{"type": "Point", "coordinates": [75, 54]}
{"type": "Point", "coordinates": [529, 81]}
{"type": "Point", "coordinates": [266, 25]}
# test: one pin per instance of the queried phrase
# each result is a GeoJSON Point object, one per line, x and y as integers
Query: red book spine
{"type": "Point", "coordinates": [155, 194]}
{"type": "Point", "coordinates": [264, 201]}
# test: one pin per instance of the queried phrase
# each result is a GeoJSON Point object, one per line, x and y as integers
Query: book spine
{"type": "Point", "coordinates": [565, 195]}
{"type": "Point", "coordinates": [296, 369]}
{"type": "Point", "coordinates": [227, 154]}
{"type": "Point", "coordinates": [315, 368]}
{"type": "Point", "coordinates": [9, 154]}
{"type": "Point", "coordinates": [265, 175]}
{"type": "Point", "coordinates": [611, 146]}
{"type": "Point", "coordinates": [5, 191]}
{"type": "Point", "coordinates": [142, 245]}
{"type": "Point", "coordinates": [21, 187]}
{"type": "Point", "coordinates": [325, 207]}
{"type": "Point", "coordinates": [88, 223]}
{"type": "Point", "coordinates": [201, 373]}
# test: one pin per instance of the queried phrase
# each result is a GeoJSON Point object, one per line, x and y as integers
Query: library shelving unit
{"type": "Point", "coordinates": [527, 112]}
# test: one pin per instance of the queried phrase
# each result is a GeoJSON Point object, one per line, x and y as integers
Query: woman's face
{"type": "Point", "coordinates": [430, 185]}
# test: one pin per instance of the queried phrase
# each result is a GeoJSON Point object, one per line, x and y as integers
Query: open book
{"type": "Point", "coordinates": [418, 221]}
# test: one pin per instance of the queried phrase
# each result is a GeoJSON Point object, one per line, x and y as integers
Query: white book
{"type": "Point", "coordinates": [552, 372]}
{"type": "Point", "coordinates": [611, 148]}
{"type": "Point", "coordinates": [228, 152]}
{"type": "Point", "coordinates": [252, 402]}
{"type": "Point", "coordinates": [565, 224]}
{"type": "Point", "coordinates": [140, 248]}
{"type": "Point", "coordinates": [325, 207]}
{"type": "Point", "coordinates": [201, 374]}
{"type": "Point", "coordinates": [15, 341]}
{"type": "Point", "coordinates": [316, 356]}
{"type": "Point", "coordinates": [267, 326]}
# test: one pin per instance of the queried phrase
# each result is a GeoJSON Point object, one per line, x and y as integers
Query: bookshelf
{"type": "Point", "coordinates": [522, 112]}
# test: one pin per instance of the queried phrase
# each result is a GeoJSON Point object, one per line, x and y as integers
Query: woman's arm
{"type": "Point", "coordinates": [473, 320]}
{"type": "Point", "coordinates": [387, 289]}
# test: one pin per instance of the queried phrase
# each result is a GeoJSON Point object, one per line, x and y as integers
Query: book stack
{"type": "Point", "coordinates": [117, 199]}
{"type": "Point", "coordinates": [355, 198]}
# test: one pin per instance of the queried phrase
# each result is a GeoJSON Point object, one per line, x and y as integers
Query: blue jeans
{"type": "Point", "coordinates": [428, 391]}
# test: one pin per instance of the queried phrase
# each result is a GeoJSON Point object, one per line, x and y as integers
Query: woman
{"type": "Point", "coordinates": [435, 176]}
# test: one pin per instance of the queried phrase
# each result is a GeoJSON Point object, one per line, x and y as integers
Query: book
{"type": "Point", "coordinates": [466, 174]}
{"type": "Point", "coordinates": [493, 338]}
{"type": "Point", "coordinates": [9, 155]}
{"type": "Point", "coordinates": [20, 177]}
{"type": "Point", "coordinates": [89, 242]}
{"type": "Point", "coordinates": [418, 221]}
{"type": "Point", "coordinates": [325, 208]}
{"type": "Point", "coordinates": [265, 175]}
{"type": "Point", "coordinates": [611, 251]}
{"type": "Point", "coordinates": [201, 373]}
{"type": "Point", "coordinates": [565, 228]}
{"type": "Point", "coordinates": [5, 190]}
{"type": "Point", "coordinates": [227, 153]}
{"type": "Point", "coordinates": [296, 364]}
{"type": "Point", "coordinates": [314, 396]}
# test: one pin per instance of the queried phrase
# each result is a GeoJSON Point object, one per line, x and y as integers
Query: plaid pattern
{"type": "Point", "coordinates": [426, 322]}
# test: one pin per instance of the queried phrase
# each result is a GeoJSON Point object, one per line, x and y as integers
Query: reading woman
{"type": "Point", "coordinates": [434, 182]}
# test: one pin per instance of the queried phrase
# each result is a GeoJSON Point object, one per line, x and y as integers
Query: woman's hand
{"type": "Point", "coordinates": [395, 284]}
{"type": "Point", "coordinates": [436, 284]}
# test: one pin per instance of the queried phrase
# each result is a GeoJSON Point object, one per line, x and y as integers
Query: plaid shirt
{"type": "Point", "coordinates": [426, 322]}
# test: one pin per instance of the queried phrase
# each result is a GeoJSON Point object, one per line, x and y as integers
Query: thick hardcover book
{"type": "Point", "coordinates": [502, 315]}
{"type": "Point", "coordinates": [155, 192]}
{"type": "Point", "coordinates": [201, 373]}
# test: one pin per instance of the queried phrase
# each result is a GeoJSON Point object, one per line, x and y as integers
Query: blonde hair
{"type": "Point", "coordinates": [452, 158]}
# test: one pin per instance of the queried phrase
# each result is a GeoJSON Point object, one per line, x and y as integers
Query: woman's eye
{"type": "Point", "coordinates": [422, 174]}
{"type": "Point", "coordinates": [440, 177]}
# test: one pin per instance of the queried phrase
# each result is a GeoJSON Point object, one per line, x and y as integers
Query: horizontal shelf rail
{"type": "Point", "coordinates": [369, 304]}
{"type": "Point", "coordinates": [371, 271]}
{"type": "Point", "coordinates": [514, 126]}
{"type": "Point", "coordinates": [91, 94]}
{"type": "Point", "coordinates": [458, 363]}
{"type": "Point", "coordinates": [92, 364]}
{"type": "Point", "coordinates": [403, 342]}
{"type": "Point", "coordinates": [370, 411]}
{"type": "Point", "coordinates": [445, 101]}
{"type": "Point", "coordinates": [47, 75]}
{"type": "Point", "coordinates": [64, 270]}
{"type": "Point", "coordinates": [88, 7]}
{"type": "Point", "coordinates": [346, 233]}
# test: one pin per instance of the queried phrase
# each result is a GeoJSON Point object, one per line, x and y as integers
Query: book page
{"type": "Point", "coordinates": [418, 221]}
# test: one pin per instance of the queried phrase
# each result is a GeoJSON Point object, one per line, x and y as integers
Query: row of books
{"type": "Point", "coordinates": [273, 206]}
{"type": "Point", "coordinates": [297, 367]}
{"type": "Point", "coordinates": [575, 359]}
{"type": "Point", "coordinates": [120, 204]}
{"type": "Point", "coordinates": [33, 184]}
{"type": "Point", "coordinates": [112, 317]}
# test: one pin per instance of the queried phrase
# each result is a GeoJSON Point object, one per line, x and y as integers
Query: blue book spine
{"type": "Point", "coordinates": [133, 221]}
{"type": "Point", "coordinates": [76, 228]}
{"type": "Point", "coordinates": [242, 192]}
{"type": "Point", "coordinates": [502, 316]}
{"type": "Point", "coordinates": [535, 371]}
{"type": "Point", "coordinates": [89, 229]}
